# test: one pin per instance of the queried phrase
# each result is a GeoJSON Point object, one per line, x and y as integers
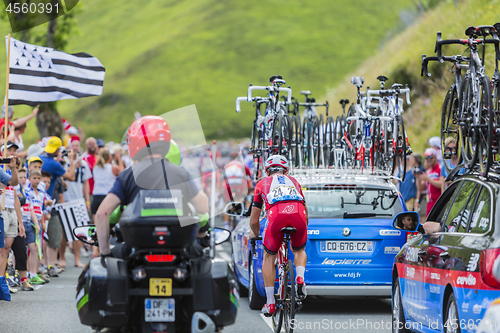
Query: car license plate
{"type": "Point", "coordinates": [159, 309]}
{"type": "Point", "coordinates": [346, 246]}
{"type": "Point", "coordinates": [160, 287]}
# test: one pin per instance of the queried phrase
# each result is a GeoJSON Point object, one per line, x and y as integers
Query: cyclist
{"type": "Point", "coordinates": [149, 142]}
{"type": "Point", "coordinates": [237, 182]}
{"type": "Point", "coordinates": [285, 207]}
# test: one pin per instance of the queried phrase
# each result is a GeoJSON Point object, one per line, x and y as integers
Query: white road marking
{"type": "Point", "coordinates": [268, 321]}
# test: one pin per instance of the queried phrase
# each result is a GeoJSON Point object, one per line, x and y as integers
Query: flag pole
{"type": "Point", "coordinates": [6, 124]}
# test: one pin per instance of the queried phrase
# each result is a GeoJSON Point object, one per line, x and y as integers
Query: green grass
{"type": "Point", "coordinates": [400, 60]}
{"type": "Point", "coordinates": [162, 55]}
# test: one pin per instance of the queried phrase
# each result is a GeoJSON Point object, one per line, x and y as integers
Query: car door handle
{"type": "Point", "coordinates": [422, 253]}
{"type": "Point", "coordinates": [444, 255]}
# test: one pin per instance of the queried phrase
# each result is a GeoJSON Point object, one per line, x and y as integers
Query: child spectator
{"type": "Point", "coordinates": [32, 225]}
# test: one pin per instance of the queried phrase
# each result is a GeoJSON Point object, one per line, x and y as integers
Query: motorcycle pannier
{"type": "Point", "coordinates": [158, 218]}
{"type": "Point", "coordinates": [102, 293]}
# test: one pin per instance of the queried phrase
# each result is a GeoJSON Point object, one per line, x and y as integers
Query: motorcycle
{"type": "Point", "coordinates": [159, 279]}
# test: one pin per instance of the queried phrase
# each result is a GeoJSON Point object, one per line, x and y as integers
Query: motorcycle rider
{"type": "Point", "coordinates": [285, 207]}
{"type": "Point", "coordinates": [149, 141]}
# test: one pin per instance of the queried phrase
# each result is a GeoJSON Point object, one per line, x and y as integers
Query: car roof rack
{"type": "Point", "coordinates": [381, 175]}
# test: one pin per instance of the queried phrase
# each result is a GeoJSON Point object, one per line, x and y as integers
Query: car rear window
{"type": "Point", "coordinates": [336, 202]}
{"type": "Point", "coordinates": [458, 214]}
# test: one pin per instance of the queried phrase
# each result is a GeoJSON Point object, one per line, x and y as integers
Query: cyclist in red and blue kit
{"type": "Point", "coordinates": [285, 207]}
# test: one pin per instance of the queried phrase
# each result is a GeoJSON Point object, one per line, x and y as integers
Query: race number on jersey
{"type": "Point", "coordinates": [281, 189]}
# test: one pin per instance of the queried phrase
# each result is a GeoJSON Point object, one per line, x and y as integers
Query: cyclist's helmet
{"type": "Point", "coordinates": [276, 161]}
{"type": "Point", "coordinates": [148, 135]}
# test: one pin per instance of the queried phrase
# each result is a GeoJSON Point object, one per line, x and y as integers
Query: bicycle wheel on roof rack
{"type": "Point", "coordinates": [496, 119]}
{"type": "Point", "coordinates": [485, 132]}
{"type": "Point", "coordinates": [317, 142]}
{"type": "Point", "coordinates": [399, 155]}
{"type": "Point", "coordinates": [328, 141]}
{"type": "Point", "coordinates": [468, 136]}
{"type": "Point", "coordinates": [450, 129]}
{"type": "Point", "coordinates": [377, 158]}
{"type": "Point", "coordinates": [295, 141]}
{"type": "Point", "coordinates": [256, 147]}
{"type": "Point", "coordinates": [351, 144]}
{"type": "Point", "coordinates": [307, 150]}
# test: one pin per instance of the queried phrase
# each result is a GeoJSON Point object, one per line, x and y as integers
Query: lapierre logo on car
{"type": "Point", "coordinates": [334, 262]}
{"type": "Point", "coordinates": [468, 280]}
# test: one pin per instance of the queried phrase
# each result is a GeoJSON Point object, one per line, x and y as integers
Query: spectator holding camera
{"type": "Point", "coordinates": [409, 189]}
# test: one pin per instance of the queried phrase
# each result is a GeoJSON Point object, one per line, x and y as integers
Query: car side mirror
{"type": "Point", "coordinates": [86, 234]}
{"type": "Point", "coordinates": [221, 235]}
{"type": "Point", "coordinates": [408, 221]}
{"type": "Point", "coordinates": [235, 209]}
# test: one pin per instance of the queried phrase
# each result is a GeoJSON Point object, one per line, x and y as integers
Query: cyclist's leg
{"type": "Point", "coordinates": [298, 242]}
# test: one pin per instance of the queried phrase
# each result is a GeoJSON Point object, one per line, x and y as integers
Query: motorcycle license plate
{"type": "Point", "coordinates": [160, 287]}
{"type": "Point", "coordinates": [346, 246]}
{"type": "Point", "coordinates": [159, 309]}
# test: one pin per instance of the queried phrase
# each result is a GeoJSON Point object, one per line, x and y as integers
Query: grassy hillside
{"type": "Point", "coordinates": [400, 60]}
{"type": "Point", "coordinates": [163, 55]}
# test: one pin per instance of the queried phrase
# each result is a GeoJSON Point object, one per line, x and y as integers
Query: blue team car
{"type": "Point", "coordinates": [351, 241]}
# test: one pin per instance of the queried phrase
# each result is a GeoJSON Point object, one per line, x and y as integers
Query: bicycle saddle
{"type": "Point", "coordinates": [397, 86]}
{"type": "Point", "coordinates": [382, 78]}
{"type": "Point", "coordinates": [344, 102]}
{"type": "Point", "coordinates": [358, 81]}
{"type": "Point", "coordinates": [288, 230]}
{"type": "Point", "coordinates": [497, 26]}
{"type": "Point", "coordinates": [274, 77]}
{"type": "Point", "coordinates": [305, 92]}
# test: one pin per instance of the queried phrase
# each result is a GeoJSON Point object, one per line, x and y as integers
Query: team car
{"type": "Point", "coordinates": [351, 241]}
{"type": "Point", "coordinates": [444, 281]}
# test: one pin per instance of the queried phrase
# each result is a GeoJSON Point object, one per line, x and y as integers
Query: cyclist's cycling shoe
{"type": "Point", "coordinates": [268, 310]}
{"type": "Point", "coordinates": [301, 288]}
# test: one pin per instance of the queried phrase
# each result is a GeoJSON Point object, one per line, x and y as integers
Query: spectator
{"type": "Point", "coordinates": [90, 156]}
{"type": "Point", "coordinates": [19, 244]}
{"type": "Point", "coordinates": [53, 167]}
{"type": "Point", "coordinates": [104, 176]}
{"type": "Point", "coordinates": [19, 121]}
{"type": "Point", "coordinates": [409, 188]}
{"type": "Point", "coordinates": [77, 188]}
{"type": "Point", "coordinates": [100, 144]}
{"type": "Point", "coordinates": [433, 178]}
{"type": "Point", "coordinates": [435, 142]}
{"type": "Point", "coordinates": [450, 149]}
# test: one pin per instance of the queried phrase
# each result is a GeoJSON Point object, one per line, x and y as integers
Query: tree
{"type": "Point", "coordinates": [59, 30]}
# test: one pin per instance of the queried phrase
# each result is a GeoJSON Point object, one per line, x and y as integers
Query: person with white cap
{"type": "Point", "coordinates": [432, 177]}
{"type": "Point", "coordinates": [435, 142]}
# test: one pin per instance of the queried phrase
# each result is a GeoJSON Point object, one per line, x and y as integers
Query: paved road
{"type": "Point", "coordinates": [51, 308]}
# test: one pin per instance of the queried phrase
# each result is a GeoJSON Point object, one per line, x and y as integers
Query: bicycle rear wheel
{"type": "Point", "coordinates": [468, 136]}
{"type": "Point", "coordinates": [308, 149]}
{"type": "Point", "coordinates": [295, 141]}
{"type": "Point", "coordinates": [485, 132]}
{"type": "Point", "coordinates": [316, 141]}
{"type": "Point", "coordinates": [289, 303]}
{"type": "Point", "coordinates": [450, 129]}
{"type": "Point", "coordinates": [328, 141]}
{"type": "Point", "coordinates": [399, 157]}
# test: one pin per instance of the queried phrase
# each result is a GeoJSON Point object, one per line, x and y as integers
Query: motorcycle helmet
{"type": "Point", "coordinates": [148, 135]}
{"type": "Point", "coordinates": [276, 161]}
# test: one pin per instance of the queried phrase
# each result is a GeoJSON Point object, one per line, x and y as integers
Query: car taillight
{"type": "Point", "coordinates": [160, 257]}
{"type": "Point", "coordinates": [487, 261]}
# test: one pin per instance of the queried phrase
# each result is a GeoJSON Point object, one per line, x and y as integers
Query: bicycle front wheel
{"type": "Point", "coordinates": [289, 302]}
{"type": "Point", "coordinates": [485, 132]}
{"type": "Point", "coordinates": [450, 127]}
{"type": "Point", "coordinates": [277, 317]}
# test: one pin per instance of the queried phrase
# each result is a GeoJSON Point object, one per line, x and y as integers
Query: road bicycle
{"type": "Point", "coordinates": [390, 142]}
{"type": "Point", "coordinates": [450, 128]}
{"type": "Point", "coordinates": [313, 144]}
{"type": "Point", "coordinates": [271, 133]}
{"type": "Point", "coordinates": [476, 114]}
{"type": "Point", "coordinates": [285, 296]}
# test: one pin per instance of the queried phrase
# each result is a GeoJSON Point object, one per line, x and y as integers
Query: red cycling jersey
{"type": "Point", "coordinates": [284, 203]}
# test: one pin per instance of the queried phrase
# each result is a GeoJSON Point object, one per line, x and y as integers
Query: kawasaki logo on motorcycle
{"type": "Point", "coordinates": [334, 262]}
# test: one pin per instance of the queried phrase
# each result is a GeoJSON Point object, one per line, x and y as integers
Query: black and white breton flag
{"type": "Point", "coordinates": [72, 214]}
{"type": "Point", "coordinates": [42, 74]}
